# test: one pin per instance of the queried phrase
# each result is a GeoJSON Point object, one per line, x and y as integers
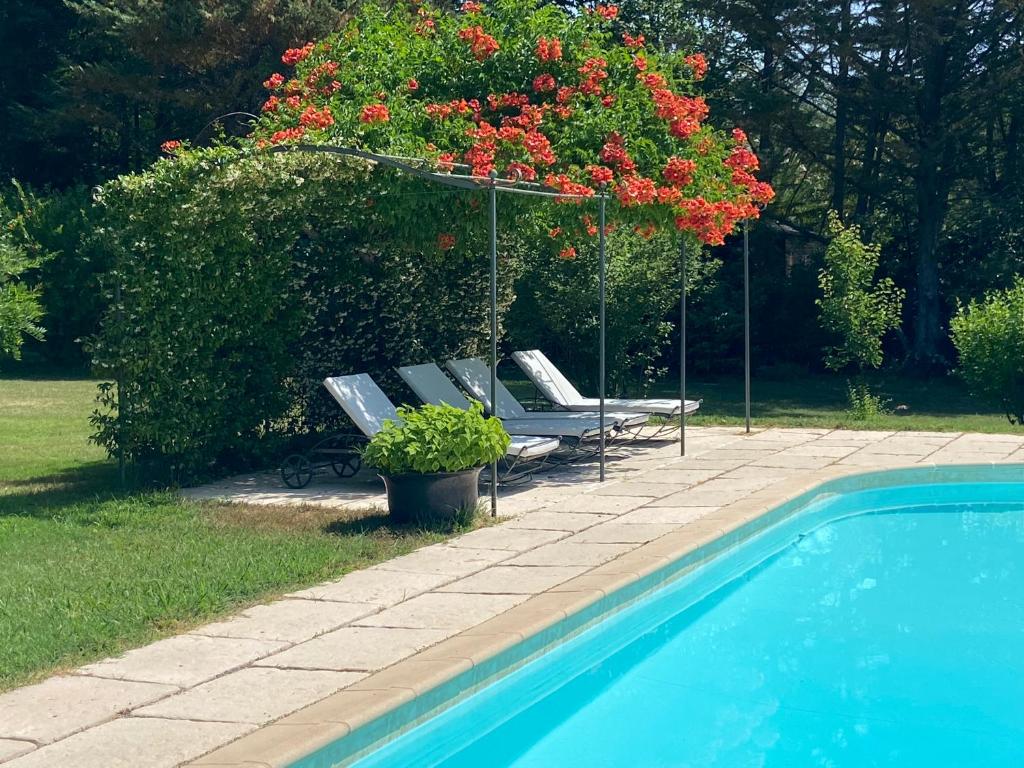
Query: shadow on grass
{"type": "Point", "coordinates": [48, 496]}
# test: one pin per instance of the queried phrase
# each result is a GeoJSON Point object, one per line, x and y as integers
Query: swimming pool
{"type": "Point", "coordinates": [876, 621]}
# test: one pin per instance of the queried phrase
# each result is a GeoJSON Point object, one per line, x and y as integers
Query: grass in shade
{"type": "Point", "coordinates": [817, 400]}
{"type": "Point", "coordinates": [87, 571]}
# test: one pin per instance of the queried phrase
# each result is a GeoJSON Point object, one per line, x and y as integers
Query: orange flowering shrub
{"type": "Point", "coordinates": [532, 93]}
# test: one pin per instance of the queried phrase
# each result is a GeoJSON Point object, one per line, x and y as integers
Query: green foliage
{"type": "Point", "coordinates": [20, 306]}
{"type": "Point", "coordinates": [437, 438]}
{"type": "Point", "coordinates": [556, 307]}
{"type": "Point", "coordinates": [989, 337]}
{"type": "Point", "coordinates": [854, 305]}
{"type": "Point", "coordinates": [63, 225]}
{"type": "Point", "coordinates": [244, 281]}
{"type": "Point", "coordinates": [864, 403]}
{"type": "Point", "coordinates": [600, 107]}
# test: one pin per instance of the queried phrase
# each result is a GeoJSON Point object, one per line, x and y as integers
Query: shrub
{"type": "Point", "coordinates": [20, 307]}
{"type": "Point", "coordinates": [63, 224]}
{"type": "Point", "coordinates": [245, 281]}
{"type": "Point", "coordinates": [989, 337]}
{"type": "Point", "coordinates": [864, 404]}
{"type": "Point", "coordinates": [437, 438]}
{"type": "Point", "coordinates": [854, 306]}
{"type": "Point", "coordinates": [556, 308]}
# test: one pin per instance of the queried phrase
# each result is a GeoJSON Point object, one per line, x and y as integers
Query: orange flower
{"type": "Point", "coordinates": [374, 113]}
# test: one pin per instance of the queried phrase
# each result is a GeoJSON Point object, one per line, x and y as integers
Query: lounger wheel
{"type": "Point", "coordinates": [346, 466]}
{"type": "Point", "coordinates": [296, 471]}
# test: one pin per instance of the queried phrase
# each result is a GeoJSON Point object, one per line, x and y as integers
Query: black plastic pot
{"type": "Point", "coordinates": [434, 497]}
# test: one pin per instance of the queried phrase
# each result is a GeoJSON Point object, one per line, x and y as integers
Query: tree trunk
{"type": "Point", "coordinates": [842, 109]}
{"type": "Point", "coordinates": [928, 328]}
{"type": "Point", "coordinates": [934, 160]}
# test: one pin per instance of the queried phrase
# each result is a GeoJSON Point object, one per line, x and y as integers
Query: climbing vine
{"type": "Point", "coordinates": [530, 92]}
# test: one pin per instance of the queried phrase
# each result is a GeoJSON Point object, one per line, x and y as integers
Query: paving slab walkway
{"type": "Point", "coordinates": [173, 701]}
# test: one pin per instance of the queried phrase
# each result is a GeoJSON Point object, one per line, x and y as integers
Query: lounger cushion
{"type": "Point", "coordinates": [523, 447]}
{"type": "Point", "coordinates": [368, 407]}
{"type": "Point", "coordinates": [431, 385]}
{"type": "Point", "coordinates": [553, 385]}
{"type": "Point", "coordinates": [475, 376]}
{"type": "Point", "coordinates": [363, 401]}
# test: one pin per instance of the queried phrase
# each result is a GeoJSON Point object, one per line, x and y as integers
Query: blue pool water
{"type": "Point", "coordinates": [871, 629]}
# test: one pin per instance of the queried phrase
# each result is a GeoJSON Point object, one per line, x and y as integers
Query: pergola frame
{"type": "Point", "coordinates": [492, 184]}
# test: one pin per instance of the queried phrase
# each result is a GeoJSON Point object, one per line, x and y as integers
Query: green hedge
{"type": "Point", "coordinates": [244, 280]}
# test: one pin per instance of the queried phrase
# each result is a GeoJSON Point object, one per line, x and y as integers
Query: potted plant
{"type": "Point", "coordinates": [431, 457]}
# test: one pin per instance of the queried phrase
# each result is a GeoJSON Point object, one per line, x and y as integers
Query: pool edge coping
{"type": "Point", "coordinates": [302, 733]}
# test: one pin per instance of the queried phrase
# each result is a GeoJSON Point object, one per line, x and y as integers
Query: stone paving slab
{"type": "Point", "coordinates": [134, 742]}
{"type": "Point", "coordinates": [511, 539]}
{"type": "Point", "coordinates": [590, 503]}
{"type": "Point", "coordinates": [553, 520]}
{"type": "Point", "coordinates": [185, 660]}
{"type": "Point", "coordinates": [447, 560]}
{"type": "Point", "coordinates": [356, 649]}
{"type": "Point", "coordinates": [619, 533]}
{"type": "Point", "coordinates": [418, 619]}
{"type": "Point", "coordinates": [375, 586]}
{"type": "Point", "coordinates": [254, 695]}
{"type": "Point", "coordinates": [571, 552]}
{"type": "Point", "coordinates": [639, 488]}
{"type": "Point", "coordinates": [290, 621]}
{"type": "Point", "coordinates": [438, 610]}
{"type": "Point", "coordinates": [63, 705]}
{"type": "Point", "coordinates": [11, 748]}
{"type": "Point", "coordinates": [516, 579]}
{"type": "Point", "coordinates": [675, 516]}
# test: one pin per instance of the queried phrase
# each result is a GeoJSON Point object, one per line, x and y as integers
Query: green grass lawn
{"type": "Point", "coordinates": [86, 571]}
{"type": "Point", "coordinates": [935, 405]}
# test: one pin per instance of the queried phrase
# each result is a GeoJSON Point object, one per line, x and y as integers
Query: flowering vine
{"type": "Point", "coordinates": [534, 94]}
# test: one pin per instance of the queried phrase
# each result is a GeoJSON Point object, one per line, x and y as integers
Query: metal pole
{"type": "Point", "coordinates": [601, 289]}
{"type": "Point", "coordinates": [682, 346]}
{"type": "Point", "coordinates": [746, 319]}
{"type": "Point", "coordinates": [493, 193]}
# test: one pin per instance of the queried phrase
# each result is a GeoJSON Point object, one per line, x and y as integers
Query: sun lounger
{"type": "Point", "coordinates": [368, 408]}
{"type": "Point", "coordinates": [475, 376]}
{"type": "Point", "coordinates": [557, 389]}
{"type": "Point", "coordinates": [431, 385]}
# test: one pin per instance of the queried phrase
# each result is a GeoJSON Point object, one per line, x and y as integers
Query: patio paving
{"type": "Point", "coordinates": [178, 699]}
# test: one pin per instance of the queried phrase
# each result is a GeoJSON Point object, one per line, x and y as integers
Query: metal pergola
{"type": "Point", "coordinates": [492, 184]}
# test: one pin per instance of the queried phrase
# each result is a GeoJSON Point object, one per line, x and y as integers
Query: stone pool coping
{"type": "Point", "coordinates": [587, 598]}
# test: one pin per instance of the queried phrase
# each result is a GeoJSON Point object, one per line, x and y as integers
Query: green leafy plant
{"type": "Point", "coordinates": [20, 306]}
{"type": "Point", "coordinates": [437, 438]}
{"type": "Point", "coordinates": [863, 403]}
{"type": "Point", "coordinates": [854, 306]}
{"type": "Point", "coordinates": [989, 337]}
{"type": "Point", "coordinates": [857, 308]}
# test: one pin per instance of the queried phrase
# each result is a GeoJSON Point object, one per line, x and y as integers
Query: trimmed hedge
{"type": "Point", "coordinates": [244, 280]}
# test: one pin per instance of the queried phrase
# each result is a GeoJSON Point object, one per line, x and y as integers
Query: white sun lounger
{"type": "Point", "coordinates": [475, 376]}
{"type": "Point", "coordinates": [368, 407]}
{"type": "Point", "coordinates": [431, 385]}
{"type": "Point", "coordinates": [559, 390]}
